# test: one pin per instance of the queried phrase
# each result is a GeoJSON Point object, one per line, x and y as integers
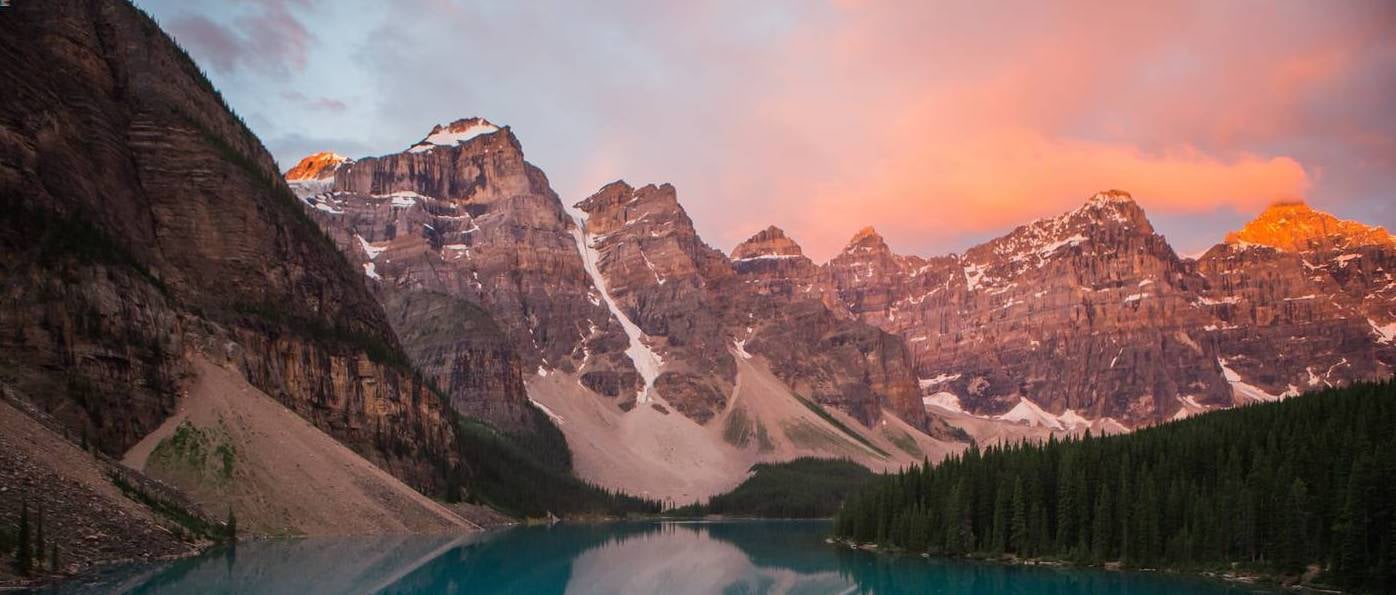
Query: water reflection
{"type": "Point", "coordinates": [679, 558]}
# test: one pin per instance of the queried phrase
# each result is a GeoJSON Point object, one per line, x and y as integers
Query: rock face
{"type": "Point", "coordinates": [459, 230]}
{"type": "Point", "coordinates": [1091, 316]}
{"type": "Point", "coordinates": [770, 263]}
{"type": "Point", "coordinates": [1302, 300]}
{"type": "Point", "coordinates": [144, 222]}
{"type": "Point", "coordinates": [460, 227]}
{"type": "Point", "coordinates": [700, 310]}
{"type": "Point", "coordinates": [668, 282]}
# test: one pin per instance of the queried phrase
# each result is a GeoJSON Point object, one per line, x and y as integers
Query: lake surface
{"type": "Point", "coordinates": [661, 557]}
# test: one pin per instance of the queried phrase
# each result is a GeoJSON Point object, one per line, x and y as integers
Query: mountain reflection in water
{"type": "Point", "coordinates": [663, 557]}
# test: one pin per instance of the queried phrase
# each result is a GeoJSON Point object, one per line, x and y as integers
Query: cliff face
{"type": "Point", "coordinates": [669, 283]}
{"type": "Point", "coordinates": [1091, 316]}
{"type": "Point", "coordinates": [1302, 300]}
{"type": "Point", "coordinates": [461, 222]}
{"type": "Point", "coordinates": [143, 222]}
{"type": "Point", "coordinates": [476, 263]}
{"type": "Point", "coordinates": [701, 310]}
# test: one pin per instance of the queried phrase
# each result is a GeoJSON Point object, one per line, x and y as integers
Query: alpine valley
{"type": "Point", "coordinates": [196, 346]}
{"type": "Point", "coordinates": [671, 367]}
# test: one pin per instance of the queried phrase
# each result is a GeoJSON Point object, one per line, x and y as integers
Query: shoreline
{"type": "Point", "coordinates": [1236, 578]}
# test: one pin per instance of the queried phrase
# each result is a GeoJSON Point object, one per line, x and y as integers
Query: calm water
{"type": "Point", "coordinates": [726, 558]}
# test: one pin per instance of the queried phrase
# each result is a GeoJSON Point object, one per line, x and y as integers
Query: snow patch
{"type": "Point", "coordinates": [767, 257]}
{"type": "Point", "coordinates": [647, 362]}
{"type": "Point", "coordinates": [1059, 244]}
{"type": "Point", "coordinates": [1386, 333]}
{"type": "Point", "coordinates": [1240, 388]}
{"type": "Point", "coordinates": [369, 249]}
{"type": "Point", "coordinates": [1211, 302]}
{"type": "Point", "coordinates": [1029, 413]}
{"type": "Point", "coordinates": [974, 276]}
{"type": "Point", "coordinates": [937, 379]}
{"type": "Point", "coordinates": [557, 419]}
{"type": "Point", "coordinates": [944, 400]}
{"type": "Point", "coordinates": [372, 271]}
{"type": "Point", "coordinates": [1073, 420]}
{"type": "Point", "coordinates": [1345, 259]}
{"type": "Point", "coordinates": [450, 138]}
{"type": "Point", "coordinates": [741, 348]}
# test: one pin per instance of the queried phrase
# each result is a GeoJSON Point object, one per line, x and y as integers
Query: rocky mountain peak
{"type": "Point", "coordinates": [624, 204]}
{"type": "Point", "coordinates": [1293, 226]}
{"type": "Point", "coordinates": [767, 243]}
{"type": "Point", "coordinates": [1115, 207]}
{"type": "Point", "coordinates": [866, 240]}
{"type": "Point", "coordinates": [455, 133]}
{"type": "Point", "coordinates": [1112, 196]}
{"type": "Point", "coordinates": [318, 166]}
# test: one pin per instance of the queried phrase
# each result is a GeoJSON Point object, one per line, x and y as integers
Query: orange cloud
{"type": "Point", "coordinates": [963, 123]}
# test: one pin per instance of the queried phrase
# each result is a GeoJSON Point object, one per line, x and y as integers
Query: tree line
{"type": "Point", "coordinates": [1273, 488]}
{"type": "Point", "coordinates": [803, 488]}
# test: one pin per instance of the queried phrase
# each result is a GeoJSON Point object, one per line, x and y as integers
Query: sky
{"type": "Point", "coordinates": [942, 124]}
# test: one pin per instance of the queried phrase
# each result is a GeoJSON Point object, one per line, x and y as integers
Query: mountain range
{"type": "Point", "coordinates": [410, 342]}
{"type": "Point", "coordinates": [642, 341]}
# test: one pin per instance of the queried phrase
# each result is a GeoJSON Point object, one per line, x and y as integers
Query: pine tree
{"type": "Point", "coordinates": [1102, 524]}
{"type": "Point", "coordinates": [1018, 537]}
{"type": "Point", "coordinates": [230, 526]}
{"type": "Point", "coordinates": [1066, 504]}
{"type": "Point", "coordinates": [24, 548]}
{"type": "Point", "coordinates": [1000, 527]}
{"type": "Point", "coordinates": [39, 546]}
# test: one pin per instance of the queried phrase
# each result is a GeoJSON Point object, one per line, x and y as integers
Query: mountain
{"type": "Point", "coordinates": [1085, 315]}
{"type": "Point", "coordinates": [474, 259]}
{"type": "Point", "coordinates": [151, 244]}
{"type": "Point", "coordinates": [1089, 319]}
{"type": "Point", "coordinates": [1302, 300]}
{"type": "Point", "coordinates": [654, 353]}
{"type": "Point", "coordinates": [617, 312]}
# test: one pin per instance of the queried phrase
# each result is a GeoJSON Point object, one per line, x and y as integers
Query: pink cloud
{"type": "Point", "coordinates": [934, 121]}
{"type": "Point", "coordinates": [265, 36]}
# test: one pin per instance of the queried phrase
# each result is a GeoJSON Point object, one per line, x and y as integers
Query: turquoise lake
{"type": "Point", "coordinates": [661, 557]}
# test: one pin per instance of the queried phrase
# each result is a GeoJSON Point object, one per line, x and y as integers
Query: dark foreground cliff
{"type": "Point", "coordinates": [144, 228]}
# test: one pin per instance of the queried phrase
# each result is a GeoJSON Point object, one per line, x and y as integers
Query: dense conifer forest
{"type": "Point", "coordinates": [803, 488]}
{"type": "Point", "coordinates": [1273, 488]}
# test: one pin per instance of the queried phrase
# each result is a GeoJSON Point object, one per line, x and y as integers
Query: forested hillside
{"type": "Point", "coordinates": [1274, 487]}
{"type": "Point", "coordinates": [803, 488]}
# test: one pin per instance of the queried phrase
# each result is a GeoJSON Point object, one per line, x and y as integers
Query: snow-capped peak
{"type": "Point", "coordinates": [457, 132]}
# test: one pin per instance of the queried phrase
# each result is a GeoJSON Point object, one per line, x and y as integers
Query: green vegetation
{"type": "Point", "coordinates": [819, 410]}
{"type": "Point", "coordinates": [737, 429]}
{"type": "Point", "coordinates": [530, 474]}
{"type": "Point", "coordinates": [803, 488]}
{"type": "Point", "coordinates": [190, 449]}
{"type": "Point", "coordinates": [196, 525]}
{"type": "Point", "coordinates": [54, 238]}
{"type": "Point", "coordinates": [1270, 488]}
{"type": "Point", "coordinates": [763, 439]}
{"type": "Point", "coordinates": [905, 442]}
